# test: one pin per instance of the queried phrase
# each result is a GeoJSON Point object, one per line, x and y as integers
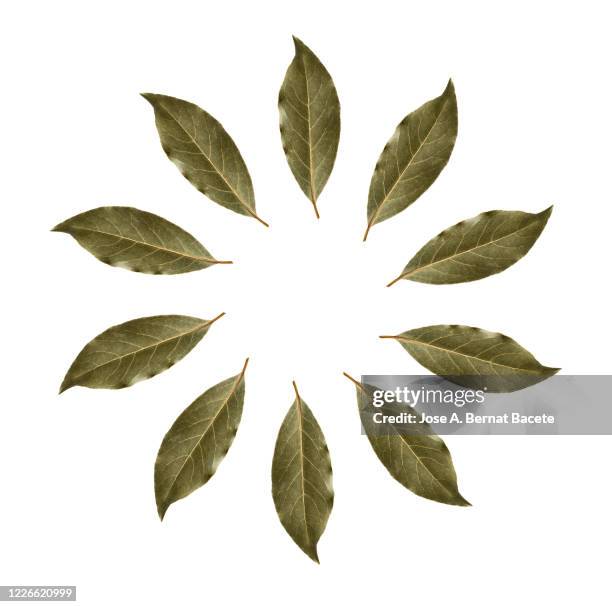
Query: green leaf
{"type": "Point", "coordinates": [416, 457]}
{"type": "Point", "coordinates": [473, 358]}
{"type": "Point", "coordinates": [476, 248]}
{"type": "Point", "coordinates": [198, 441]}
{"type": "Point", "coordinates": [136, 240]}
{"type": "Point", "coordinates": [302, 477]}
{"type": "Point", "coordinates": [204, 153]}
{"type": "Point", "coordinates": [413, 158]}
{"type": "Point", "coordinates": [309, 121]}
{"type": "Point", "coordinates": [135, 350]}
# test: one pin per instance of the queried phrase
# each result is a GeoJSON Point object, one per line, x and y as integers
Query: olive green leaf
{"type": "Point", "coordinates": [416, 457]}
{"type": "Point", "coordinates": [302, 477]}
{"type": "Point", "coordinates": [135, 350]}
{"type": "Point", "coordinates": [476, 248]}
{"type": "Point", "coordinates": [413, 158]}
{"type": "Point", "coordinates": [198, 441]}
{"type": "Point", "coordinates": [309, 121]}
{"type": "Point", "coordinates": [473, 357]}
{"type": "Point", "coordinates": [204, 153]}
{"type": "Point", "coordinates": [136, 240]}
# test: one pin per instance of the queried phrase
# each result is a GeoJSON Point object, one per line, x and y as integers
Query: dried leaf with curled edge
{"type": "Point", "coordinates": [416, 457]}
{"type": "Point", "coordinates": [135, 350]}
{"type": "Point", "coordinates": [309, 121]}
{"type": "Point", "coordinates": [302, 477]}
{"type": "Point", "coordinates": [476, 248]}
{"type": "Point", "coordinates": [204, 153]}
{"type": "Point", "coordinates": [473, 357]}
{"type": "Point", "coordinates": [413, 158]}
{"type": "Point", "coordinates": [136, 240]}
{"type": "Point", "coordinates": [198, 441]}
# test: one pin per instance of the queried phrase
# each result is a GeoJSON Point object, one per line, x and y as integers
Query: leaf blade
{"type": "Point", "coordinates": [413, 157]}
{"type": "Point", "coordinates": [302, 477]}
{"type": "Point", "coordinates": [136, 240]}
{"type": "Point", "coordinates": [419, 459]}
{"type": "Point", "coordinates": [309, 111]}
{"type": "Point", "coordinates": [204, 153]}
{"type": "Point", "coordinates": [135, 350]}
{"type": "Point", "coordinates": [469, 355]}
{"type": "Point", "coordinates": [476, 248]}
{"type": "Point", "coordinates": [201, 436]}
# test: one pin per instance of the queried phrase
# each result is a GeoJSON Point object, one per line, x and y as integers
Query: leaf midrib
{"type": "Point", "coordinates": [426, 345]}
{"type": "Point", "coordinates": [214, 166]}
{"type": "Point", "coordinates": [466, 251]}
{"type": "Point", "coordinates": [209, 260]}
{"type": "Point", "coordinates": [139, 350]}
{"type": "Point", "coordinates": [408, 165]}
{"type": "Point", "coordinates": [205, 432]}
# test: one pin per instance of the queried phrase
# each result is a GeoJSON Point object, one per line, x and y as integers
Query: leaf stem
{"type": "Point", "coordinates": [260, 219]}
{"type": "Point", "coordinates": [367, 232]}
{"type": "Point", "coordinates": [210, 322]}
{"type": "Point", "coordinates": [246, 362]}
{"type": "Point", "coordinates": [297, 394]}
{"type": "Point", "coordinates": [358, 384]}
{"type": "Point", "coordinates": [314, 204]}
{"type": "Point", "coordinates": [395, 280]}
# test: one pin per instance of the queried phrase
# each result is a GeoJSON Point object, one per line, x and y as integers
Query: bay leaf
{"type": "Point", "coordinates": [473, 357]}
{"type": "Point", "coordinates": [413, 158]}
{"type": "Point", "coordinates": [302, 477]}
{"type": "Point", "coordinates": [198, 441]}
{"type": "Point", "coordinates": [309, 121]}
{"type": "Point", "coordinates": [204, 153]}
{"type": "Point", "coordinates": [136, 240]}
{"type": "Point", "coordinates": [135, 350]}
{"type": "Point", "coordinates": [476, 248]}
{"type": "Point", "coordinates": [416, 457]}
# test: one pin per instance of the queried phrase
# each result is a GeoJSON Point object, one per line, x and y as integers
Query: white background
{"type": "Point", "coordinates": [305, 299]}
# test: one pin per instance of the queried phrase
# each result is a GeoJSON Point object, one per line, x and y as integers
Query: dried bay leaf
{"type": "Point", "coordinates": [473, 357]}
{"type": "Point", "coordinates": [198, 441]}
{"type": "Point", "coordinates": [135, 350]}
{"type": "Point", "coordinates": [302, 477]}
{"type": "Point", "coordinates": [476, 248]}
{"type": "Point", "coordinates": [309, 121]}
{"type": "Point", "coordinates": [413, 158]}
{"type": "Point", "coordinates": [136, 240]}
{"type": "Point", "coordinates": [416, 457]}
{"type": "Point", "coordinates": [204, 153]}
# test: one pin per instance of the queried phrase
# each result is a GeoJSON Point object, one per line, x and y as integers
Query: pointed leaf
{"type": "Point", "coordinates": [302, 477]}
{"type": "Point", "coordinates": [309, 121]}
{"type": "Point", "coordinates": [473, 357]}
{"type": "Point", "coordinates": [136, 240]}
{"type": "Point", "coordinates": [476, 248]}
{"type": "Point", "coordinates": [135, 350]}
{"type": "Point", "coordinates": [198, 441]}
{"type": "Point", "coordinates": [413, 158]}
{"type": "Point", "coordinates": [204, 153]}
{"type": "Point", "coordinates": [416, 457]}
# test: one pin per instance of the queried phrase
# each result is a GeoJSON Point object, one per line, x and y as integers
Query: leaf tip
{"type": "Point", "coordinates": [66, 385]}
{"type": "Point", "coordinates": [547, 212]}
